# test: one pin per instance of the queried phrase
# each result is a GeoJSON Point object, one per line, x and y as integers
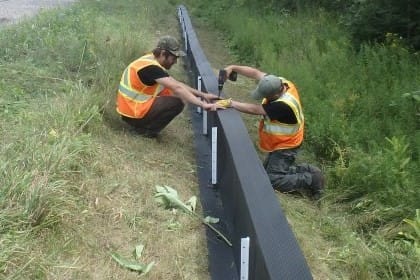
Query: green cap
{"type": "Point", "coordinates": [170, 44]}
{"type": "Point", "coordinates": [267, 86]}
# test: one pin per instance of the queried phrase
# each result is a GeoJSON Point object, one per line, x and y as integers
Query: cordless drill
{"type": "Point", "coordinates": [223, 76]}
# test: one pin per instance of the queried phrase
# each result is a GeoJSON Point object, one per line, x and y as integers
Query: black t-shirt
{"type": "Point", "coordinates": [149, 74]}
{"type": "Point", "coordinates": [280, 111]}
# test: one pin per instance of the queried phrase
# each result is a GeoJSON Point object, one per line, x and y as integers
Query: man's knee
{"type": "Point", "coordinates": [318, 179]}
{"type": "Point", "coordinates": [178, 106]}
{"type": "Point", "coordinates": [306, 179]}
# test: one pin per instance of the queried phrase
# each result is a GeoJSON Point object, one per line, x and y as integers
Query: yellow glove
{"type": "Point", "coordinates": [226, 103]}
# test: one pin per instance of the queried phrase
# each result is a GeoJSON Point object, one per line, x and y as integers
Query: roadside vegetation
{"type": "Point", "coordinates": [77, 188]}
{"type": "Point", "coordinates": [362, 119]}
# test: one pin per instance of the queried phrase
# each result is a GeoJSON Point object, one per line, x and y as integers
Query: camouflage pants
{"type": "Point", "coordinates": [286, 176]}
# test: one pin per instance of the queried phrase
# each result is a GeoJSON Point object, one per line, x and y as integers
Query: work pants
{"type": "Point", "coordinates": [286, 176]}
{"type": "Point", "coordinates": [162, 112]}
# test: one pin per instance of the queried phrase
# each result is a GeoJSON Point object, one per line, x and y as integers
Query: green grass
{"type": "Point", "coordinates": [76, 186]}
{"type": "Point", "coordinates": [361, 111]}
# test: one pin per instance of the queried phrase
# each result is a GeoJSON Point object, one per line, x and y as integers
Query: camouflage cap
{"type": "Point", "coordinates": [170, 44]}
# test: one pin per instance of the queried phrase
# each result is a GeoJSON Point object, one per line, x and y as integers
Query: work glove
{"type": "Point", "coordinates": [226, 103]}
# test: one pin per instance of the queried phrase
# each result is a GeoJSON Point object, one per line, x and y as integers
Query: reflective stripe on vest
{"type": "Point", "coordinates": [126, 88]}
{"type": "Point", "coordinates": [282, 129]}
{"type": "Point", "coordinates": [274, 127]}
{"type": "Point", "coordinates": [134, 94]}
{"type": "Point", "coordinates": [134, 98]}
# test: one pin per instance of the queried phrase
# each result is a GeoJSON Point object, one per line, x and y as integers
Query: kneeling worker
{"type": "Point", "coordinates": [149, 98]}
{"type": "Point", "coordinates": [281, 131]}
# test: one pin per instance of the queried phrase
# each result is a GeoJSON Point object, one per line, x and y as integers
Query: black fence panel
{"type": "Point", "coordinates": [242, 196]}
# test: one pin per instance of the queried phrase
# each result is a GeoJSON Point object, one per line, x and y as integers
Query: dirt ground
{"type": "Point", "coordinates": [12, 11]}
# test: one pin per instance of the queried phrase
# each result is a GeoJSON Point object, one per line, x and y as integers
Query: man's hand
{"type": "Point", "coordinates": [246, 71]}
{"type": "Point", "coordinates": [229, 70]}
{"type": "Point", "coordinates": [209, 97]}
{"type": "Point", "coordinates": [212, 106]}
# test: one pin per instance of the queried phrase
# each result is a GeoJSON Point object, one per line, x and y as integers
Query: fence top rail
{"type": "Point", "coordinates": [275, 251]}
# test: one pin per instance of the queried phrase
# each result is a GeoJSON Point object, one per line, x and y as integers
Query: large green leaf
{"type": "Point", "coordinates": [168, 197]}
{"type": "Point", "coordinates": [132, 265]}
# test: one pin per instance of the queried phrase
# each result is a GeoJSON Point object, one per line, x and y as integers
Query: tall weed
{"type": "Point", "coordinates": [58, 77]}
{"type": "Point", "coordinates": [351, 99]}
{"type": "Point", "coordinates": [48, 67]}
{"type": "Point", "coordinates": [361, 118]}
{"type": "Point", "coordinates": [375, 183]}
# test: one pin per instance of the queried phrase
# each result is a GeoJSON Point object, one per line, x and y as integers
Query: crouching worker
{"type": "Point", "coordinates": [281, 132]}
{"type": "Point", "coordinates": [148, 98]}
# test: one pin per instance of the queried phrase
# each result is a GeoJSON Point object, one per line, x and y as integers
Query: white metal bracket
{"type": "Point", "coordinates": [244, 258]}
{"type": "Point", "coordinates": [214, 155]}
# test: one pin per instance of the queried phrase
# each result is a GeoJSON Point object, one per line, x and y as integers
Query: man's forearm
{"type": "Point", "coordinates": [248, 108]}
{"type": "Point", "coordinates": [247, 71]}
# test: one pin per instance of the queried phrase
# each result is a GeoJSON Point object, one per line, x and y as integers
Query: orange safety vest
{"type": "Point", "coordinates": [134, 99]}
{"type": "Point", "coordinates": [275, 135]}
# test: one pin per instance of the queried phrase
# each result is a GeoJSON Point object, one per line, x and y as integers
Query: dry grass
{"type": "Point", "coordinates": [305, 217]}
{"type": "Point", "coordinates": [99, 180]}
{"type": "Point", "coordinates": [103, 177]}
{"type": "Point", "coordinates": [120, 212]}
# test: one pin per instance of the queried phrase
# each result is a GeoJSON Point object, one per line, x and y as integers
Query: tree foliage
{"type": "Point", "coordinates": [376, 20]}
{"type": "Point", "coordinates": [371, 21]}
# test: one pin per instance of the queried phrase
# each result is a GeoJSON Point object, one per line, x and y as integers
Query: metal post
{"type": "Point", "coordinates": [244, 258]}
{"type": "Point", "coordinates": [180, 16]}
{"type": "Point", "coordinates": [199, 89]}
{"type": "Point", "coordinates": [214, 155]}
{"type": "Point", "coordinates": [186, 41]}
{"type": "Point", "coordinates": [205, 122]}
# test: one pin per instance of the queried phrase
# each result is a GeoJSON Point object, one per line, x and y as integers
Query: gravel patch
{"type": "Point", "coordinates": [11, 11]}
